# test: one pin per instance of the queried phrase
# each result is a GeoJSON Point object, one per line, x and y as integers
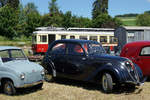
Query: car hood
{"type": "Point", "coordinates": [109, 57]}
{"type": "Point", "coordinates": [23, 66]}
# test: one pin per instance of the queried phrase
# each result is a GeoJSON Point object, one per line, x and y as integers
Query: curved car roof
{"type": "Point", "coordinates": [138, 44]}
{"type": "Point", "coordinates": [8, 47]}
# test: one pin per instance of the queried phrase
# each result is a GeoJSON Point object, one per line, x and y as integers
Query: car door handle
{"type": "Point", "coordinates": [83, 58]}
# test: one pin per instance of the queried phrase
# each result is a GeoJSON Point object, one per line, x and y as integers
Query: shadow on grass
{"type": "Point", "coordinates": [124, 89]}
{"type": "Point", "coordinates": [24, 91]}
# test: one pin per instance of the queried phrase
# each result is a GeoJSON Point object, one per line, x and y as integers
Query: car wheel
{"type": "Point", "coordinates": [107, 82]}
{"type": "Point", "coordinates": [48, 77]}
{"type": "Point", "coordinates": [8, 88]}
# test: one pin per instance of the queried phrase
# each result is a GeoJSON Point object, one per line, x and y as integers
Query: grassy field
{"type": "Point", "coordinates": [17, 42]}
{"type": "Point", "coordinates": [69, 90]}
{"type": "Point", "coordinates": [23, 43]}
{"type": "Point", "coordinates": [128, 21]}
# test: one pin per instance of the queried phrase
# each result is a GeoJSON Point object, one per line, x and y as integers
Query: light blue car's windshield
{"type": "Point", "coordinates": [9, 55]}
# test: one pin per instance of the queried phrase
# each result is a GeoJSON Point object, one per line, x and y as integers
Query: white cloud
{"type": "Point", "coordinates": [148, 0]}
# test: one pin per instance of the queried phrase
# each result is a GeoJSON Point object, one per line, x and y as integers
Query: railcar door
{"type": "Point", "coordinates": [51, 38]}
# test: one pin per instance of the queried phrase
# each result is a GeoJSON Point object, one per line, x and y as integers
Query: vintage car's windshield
{"type": "Point", "coordinates": [95, 48]}
{"type": "Point", "coordinates": [14, 54]}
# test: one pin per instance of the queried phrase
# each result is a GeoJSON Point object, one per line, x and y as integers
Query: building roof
{"type": "Point", "coordinates": [72, 29]}
{"type": "Point", "coordinates": [8, 47]}
{"type": "Point", "coordinates": [137, 27]}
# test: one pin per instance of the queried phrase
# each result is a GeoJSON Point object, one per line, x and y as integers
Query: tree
{"type": "Point", "coordinates": [99, 7]}
{"type": "Point", "coordinates": [81, 22]}
{"type": "Point", "coordinates": [29, 19]}
{"type": "Point", "coordinates": [106, 21]}
{"type": "Point", "coordinates": [12, 3]}
{"type": "Point", "coordinates": [8, 21]}
{"type": "Point", "coordinates": [29, 8]}
{"type": "Point", "coordinates": [143, 19]}
{"type": "Point", "coordinates": [128, 15]}
{"type": "Point", "coordinates": [67, 20]}
{"type": "Point", "coordinates": [53, 8]}
{"type": "Point", "coordinates": [32, 19]}
{"type": "Point", "coordinates": [45, 20]}
{"type": "Point", "coordinates": [55, 18]}
{"type": "Point", "coordinates": [147, 12]}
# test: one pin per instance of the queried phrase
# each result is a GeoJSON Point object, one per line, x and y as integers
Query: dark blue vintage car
{"type": "Point", "coordinates": [87, 60]}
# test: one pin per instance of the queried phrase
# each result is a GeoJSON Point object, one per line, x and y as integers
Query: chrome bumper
{"type": "Point", "coordinates": [30, 85]}
{"type": "Point", "coordinates": [138, 83]}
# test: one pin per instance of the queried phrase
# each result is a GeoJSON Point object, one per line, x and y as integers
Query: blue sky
{"type": "Point", "coordinates": [84, 7]}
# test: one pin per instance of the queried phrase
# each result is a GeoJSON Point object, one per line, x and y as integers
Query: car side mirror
{"type": "Point", "coordinates": [1, 62]}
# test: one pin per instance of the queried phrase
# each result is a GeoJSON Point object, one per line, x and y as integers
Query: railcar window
{"type": "Point", "coordinates": [83, 37]}
{"type": "Point", "coordinates": [113, 39]}
{"type": "Point", "coordinates": [93, 38]}
{"type": "Point", "coordinates": [63, 36]}
{"type": "Point", "coordinates": [43, 38]}
{"type": "Point", "coordinates": [72, 37]}
{"type": "Point", "coordinates": [103, 39]}
{"type": "Point", "coordinates": [145, 51]}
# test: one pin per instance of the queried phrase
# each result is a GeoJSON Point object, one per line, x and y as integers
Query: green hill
{"type": "Point", "coordinates": [128, 21]}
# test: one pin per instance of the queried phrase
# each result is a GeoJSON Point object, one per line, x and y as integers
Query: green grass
{"type": "Point", "coordinates": [24, 43]}
{"type": "Point", "coordinates": [20, 42]}
{"type": "Point", "coordinates": [128, 21]}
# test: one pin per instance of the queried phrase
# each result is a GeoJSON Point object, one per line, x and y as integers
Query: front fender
{"type": "Point", "coordinates": [139, 72]}
{"type": "Point", "coordinates": [121, 74]}
{"type": "Point", "coordinates": [106, 68]}
{"type": "Point", "coordinates": [15, 79]}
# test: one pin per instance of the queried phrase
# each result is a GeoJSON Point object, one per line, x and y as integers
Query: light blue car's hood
{"type": "Point", "coordinates": [23, 66]}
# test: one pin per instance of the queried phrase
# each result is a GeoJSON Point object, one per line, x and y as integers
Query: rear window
{"type": "Point", "coordinates": [59, 48]}
{"type": "Point", "coordinates": [145, 51]}
{"type": "Point", "coordinates": [75, 49]}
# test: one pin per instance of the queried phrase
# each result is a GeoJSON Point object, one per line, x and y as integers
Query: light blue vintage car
{"type": "Point", "coordinates": [16, 71]}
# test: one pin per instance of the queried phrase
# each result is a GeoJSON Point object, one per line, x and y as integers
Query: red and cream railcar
{"type": "Point", "coordinates": [45, 35]}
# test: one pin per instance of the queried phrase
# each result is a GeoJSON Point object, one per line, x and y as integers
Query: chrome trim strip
{"type": "Point", "coordinates": [30, 85]}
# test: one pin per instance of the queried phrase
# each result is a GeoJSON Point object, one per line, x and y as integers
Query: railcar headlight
{"type": "Point", "coordinates": [22, 76]}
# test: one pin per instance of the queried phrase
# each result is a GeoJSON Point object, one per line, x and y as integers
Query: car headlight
{"type": "Point", "coordinates": [43, 72]}
{"type": "Point", "coordinates": [129, 65]}
{"type": "Point", "coordinates": [22, 76]}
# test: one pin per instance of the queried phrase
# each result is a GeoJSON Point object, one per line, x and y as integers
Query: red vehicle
{"type": "Point", "coordinates": [139, 53]}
